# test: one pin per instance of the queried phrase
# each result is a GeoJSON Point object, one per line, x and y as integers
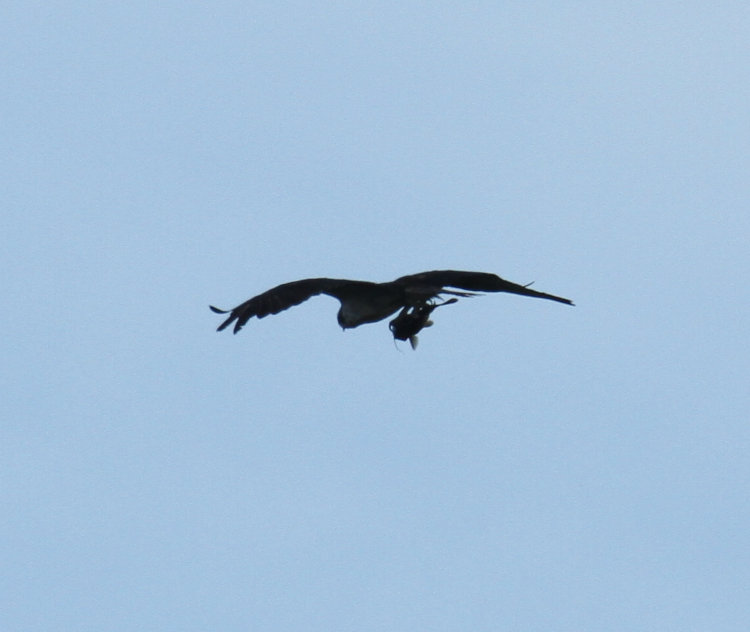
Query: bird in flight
{"type": "Point", "coordinates": [414, 296]}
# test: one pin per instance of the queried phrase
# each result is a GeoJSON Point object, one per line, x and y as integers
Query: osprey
{"type": "Point", "coordinates": [367, 302]}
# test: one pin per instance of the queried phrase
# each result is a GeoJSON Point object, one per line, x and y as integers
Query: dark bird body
{"type": "Point", "coordinates": [367, 302]}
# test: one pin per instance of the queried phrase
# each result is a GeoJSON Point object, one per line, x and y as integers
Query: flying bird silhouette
{"type": "Point", "coordinates": [367, 302]}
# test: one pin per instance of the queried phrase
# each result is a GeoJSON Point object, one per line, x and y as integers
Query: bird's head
{"type": "Point", "coordinates": [344, 321]}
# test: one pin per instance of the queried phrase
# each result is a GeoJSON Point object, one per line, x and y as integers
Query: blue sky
{"type": "Point", "coordinates": [530, 467]}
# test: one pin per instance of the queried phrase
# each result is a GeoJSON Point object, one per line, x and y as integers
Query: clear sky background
{"type": "Point", "coordinates": [531, 467]}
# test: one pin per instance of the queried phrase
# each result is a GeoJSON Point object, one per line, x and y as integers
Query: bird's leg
{"type": "Point", "coordinates": [412, 319]}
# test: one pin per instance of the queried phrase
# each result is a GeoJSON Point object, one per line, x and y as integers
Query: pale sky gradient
{"type": "Point", "coordinates": [531, 467]}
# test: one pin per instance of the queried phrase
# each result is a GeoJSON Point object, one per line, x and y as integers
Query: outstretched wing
{"type": "Point", "coordinates": [278, 299]}
{"type": "Point", "coordinates": [474, 281]}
